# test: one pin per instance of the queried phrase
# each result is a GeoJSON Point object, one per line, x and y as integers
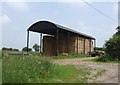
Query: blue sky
{"type": "Point", "coordinates": [18, 16]}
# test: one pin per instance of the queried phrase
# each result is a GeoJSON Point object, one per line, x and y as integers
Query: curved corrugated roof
{"type": "Point", "coordinates": [51, 28]}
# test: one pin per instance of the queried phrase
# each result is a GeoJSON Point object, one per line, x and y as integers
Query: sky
{"type": "Point", "coordinates": [119, 13]}
{"type": "Point", "coordinates": [17, 17]}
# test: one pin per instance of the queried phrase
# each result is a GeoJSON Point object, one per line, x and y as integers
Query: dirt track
{"type": "Point", "coordinates": [99, 72]}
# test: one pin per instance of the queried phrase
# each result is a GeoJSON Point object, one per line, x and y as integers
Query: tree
{"type": "Point", "coordinates": [4, 48]}
{"type": "Point", "coordinates": [25, 49]}
{"type": "Point", "coordinates": [118, 28]}
{"type": "Point", "coordinates": [99, 48]}
{"type": "Point", "coordinates": [36, 47]}
{"type": "Point", "coordinates": [15, 49]}
{"type": "Point", "coordinates": [7, 49]}
{"type": "Point", "coordinates": [112, 46]}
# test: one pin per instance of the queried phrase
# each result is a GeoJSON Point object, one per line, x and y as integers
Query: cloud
{"type": "Point", "coordinates": [18, 4]}
{"type": "Point", "coordinates": [5, 19]}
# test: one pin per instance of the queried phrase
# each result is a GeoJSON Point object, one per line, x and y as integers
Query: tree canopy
{"type": "Point", "coordinates": [36, 47]}
{"type": "Point", "coordinates": [25, 49]}
{"type": "Point", "coordinates": [9, 49]}
{"type": "Point", "coordinates": [99, 48]}
{"type": "Point", "coordinates": [112, 46]}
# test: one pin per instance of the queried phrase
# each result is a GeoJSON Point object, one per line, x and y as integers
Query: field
{"type": "Point", "coordinates": [36, 69]}
{"type": "Point", "coordinates": [57, 69]}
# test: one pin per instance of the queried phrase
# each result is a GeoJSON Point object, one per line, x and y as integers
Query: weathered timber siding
{"type": "Point", "coordinates": [81, 45]}
{"type": "Point", "coordinates": [87, 45]}
{"type": "Point", "coordinates": [48, 45]}
{"type": "Point", "coordinates": [72, 44]}
{"type": "Point", "coordinates": [62, 43]}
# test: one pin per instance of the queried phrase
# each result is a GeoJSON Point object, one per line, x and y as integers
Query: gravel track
{"type": "Point", "coordinates": [99, 72]}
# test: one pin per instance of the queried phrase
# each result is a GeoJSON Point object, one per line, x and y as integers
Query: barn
{"type": "Point", "coordinates": [60, 39]}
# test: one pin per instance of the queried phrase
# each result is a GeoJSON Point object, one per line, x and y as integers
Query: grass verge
{"type": "Point", "coordinates": [72, 55]}
{"type": "Point", "coordinates": [103, 59]}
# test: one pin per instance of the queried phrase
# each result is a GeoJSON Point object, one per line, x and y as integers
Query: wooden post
{"type": "Point", "coordinates": [94, 44]}
{"type": "Point", "coordinates": [90, 45]}
{"type": "Point", "coordinates": [40, 42]}
{"type": "Point", "coordinates": [68, 41]}
{"type": "Point", "coordinates": [84, 45]}
{"type": "Point", "coordinates": [77, 43]}
{"type": "Point", "coordinates": [27, 40]}
{"type": "Point", "coordinates": [57, 42]}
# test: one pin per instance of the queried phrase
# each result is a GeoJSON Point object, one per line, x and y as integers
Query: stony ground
{"type": "Point", "coordinates": [99, 72]}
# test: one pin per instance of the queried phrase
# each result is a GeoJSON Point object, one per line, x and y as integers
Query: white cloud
{"type": "Point", "coordinates": [18, 4]}
{"type": "Point", "coordinates": [5, 19]}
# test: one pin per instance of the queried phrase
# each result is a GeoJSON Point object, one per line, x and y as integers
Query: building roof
{"type": "Point", "coordinates": [47, 27]}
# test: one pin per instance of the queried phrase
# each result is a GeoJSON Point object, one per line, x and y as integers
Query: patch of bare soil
{"type": "Point", "coordinates": [99, 72]}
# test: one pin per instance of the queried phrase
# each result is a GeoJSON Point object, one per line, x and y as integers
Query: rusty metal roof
{"type": "Point", "coordinates": [48, 27]}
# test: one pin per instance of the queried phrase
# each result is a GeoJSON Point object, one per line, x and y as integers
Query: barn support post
{"type": "Point", "coordinates": [40, 42]}
{"type": "Point", "coordinates": [77, 43]}
{"type": "Point", "coordinates": [84, 46]}
{"type": "Point", "coordinates": [68, 41]}
{"type": "Point", "coordinates": [27, 40]}
{"type": "Point", "coordinates": [57, 42]}
{"type": "Point", "coordinates": [94, 44]}
{"type": "Point", "coordinates": [90, 45]}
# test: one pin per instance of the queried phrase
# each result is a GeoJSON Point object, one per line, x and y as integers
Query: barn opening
{"type": "Point", "coordinates": [60, 39]}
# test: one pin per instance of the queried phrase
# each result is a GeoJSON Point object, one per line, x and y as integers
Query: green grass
{"type": "Point", "coordinates": [103, 59]}
{"type": "Point", "coordinates": [65, 74]}
{"type": "Point", "coordinates": [35, 69]}
{"type": "Point", "coordinates": [72, 55]}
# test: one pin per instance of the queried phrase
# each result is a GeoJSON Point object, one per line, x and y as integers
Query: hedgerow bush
{"type": "Point", "coordinates": [112, 46]}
